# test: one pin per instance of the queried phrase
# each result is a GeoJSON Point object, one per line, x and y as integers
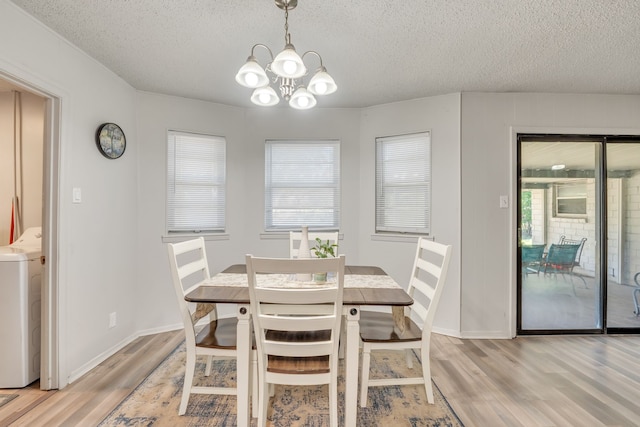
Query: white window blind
{"type": "Point", "coordinates": [403, 183]}
{"type": "Point", "coordinates": [302, 184]}
{"type": "Point", "coordinates": [196, 182]}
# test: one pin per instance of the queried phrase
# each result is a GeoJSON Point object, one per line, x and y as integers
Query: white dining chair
{"type": "Point", "coordinates": [296, 236]}
{"type": "Point", "coordinates": [217, 338]}
{"type": "Point", "coordinates": [380, 331]}
{"type": "Point", "coordinates": [296, 325]}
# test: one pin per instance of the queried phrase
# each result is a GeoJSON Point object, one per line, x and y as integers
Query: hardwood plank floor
{"type": "Point", "coordinates": [88, 400]}
{"type": "Point", "coordinates": [527, 381]}
{"type": "Point", "coordinates": [540, 381]}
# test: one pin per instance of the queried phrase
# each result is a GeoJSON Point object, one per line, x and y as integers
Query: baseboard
{"type": "Point", "coordinates": [84, 369]}
{"type": "Point", "coordinates": [76, 374]}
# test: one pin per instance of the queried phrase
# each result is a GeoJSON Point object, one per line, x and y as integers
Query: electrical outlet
{"type": "Point", "coordinates": [112, 320]}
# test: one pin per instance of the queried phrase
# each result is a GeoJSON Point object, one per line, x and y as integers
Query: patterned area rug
{"type": "Point", "coordinates": [155, 401]}
{"type": "Point", "coordinates": [6, 398]}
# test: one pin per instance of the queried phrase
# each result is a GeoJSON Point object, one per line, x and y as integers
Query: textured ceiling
{"type": "Point", "coordinates": [377, 51]}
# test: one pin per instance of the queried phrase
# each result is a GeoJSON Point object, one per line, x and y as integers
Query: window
{"type": "Point", "coordinates": [403, 183]}
{"type": "Point", "coordinates": [571, 200]}
{"type": "Point", "coordinates": [195, 182]}
{"type": "Point", "coordinates": [302, 184]}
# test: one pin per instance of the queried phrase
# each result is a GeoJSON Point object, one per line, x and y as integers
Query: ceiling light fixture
{"type": "Point", "coordinates": [288, 69]}
{"type": "Point", "coordinates": [557, 167]}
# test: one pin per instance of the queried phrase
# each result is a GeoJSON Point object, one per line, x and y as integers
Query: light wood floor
{"type": "Point", "coordinates": [527, 381]}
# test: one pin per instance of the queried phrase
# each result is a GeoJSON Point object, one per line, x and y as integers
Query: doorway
{"type": "Point", "coordinates": [578, 234]}
{"type": "Point", "coordinates": [49, 365]}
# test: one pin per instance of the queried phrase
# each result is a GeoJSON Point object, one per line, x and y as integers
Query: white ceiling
{"type": "Point", "coordinates": [377, 51]}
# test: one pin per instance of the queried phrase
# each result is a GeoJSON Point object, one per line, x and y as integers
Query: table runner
{"type": "Point", "coordinates": [284, 280]}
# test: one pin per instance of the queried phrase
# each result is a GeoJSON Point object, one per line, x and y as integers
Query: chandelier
{"type": "Point", "coordinates": [287, 70]}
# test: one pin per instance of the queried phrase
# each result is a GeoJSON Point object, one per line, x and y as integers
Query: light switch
{"type": "Point", "coordinates": [77, 195]}
{"type": "Point", "coordinates": [504, 202]}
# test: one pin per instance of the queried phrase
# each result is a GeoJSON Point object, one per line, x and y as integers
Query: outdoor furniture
{"type": "Point", "coordinates": [636, 291]}
{"type": "Point", "coordinates": [561, 259]}
{"type": "Point", "coordinates": [532, 258]}
{"type": "Point", "coordinates": [564, 241]}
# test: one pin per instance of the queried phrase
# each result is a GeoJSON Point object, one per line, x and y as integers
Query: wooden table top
{"type": "Point", "coordinates": [352, 296]}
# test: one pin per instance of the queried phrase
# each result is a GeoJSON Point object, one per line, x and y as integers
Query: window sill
{"type": "Point", "coordinates": [408, 238]}
{"type": "Point", "coordinates": [179, 237]}
{"type": "Point", "coordinates": [283, 235]}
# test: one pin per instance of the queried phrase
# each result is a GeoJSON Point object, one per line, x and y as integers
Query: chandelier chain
{"type": "Point", "coordinates": [287, 39]}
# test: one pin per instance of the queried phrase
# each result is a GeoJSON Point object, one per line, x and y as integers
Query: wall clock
{"type": "Point", "coordinates": [110, 140]}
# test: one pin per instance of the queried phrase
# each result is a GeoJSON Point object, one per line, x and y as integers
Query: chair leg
{"type": "Point", "coordinates": [407, 355]}
{"type": "Point", "coordinates": [426, 370]}
{"type": "Point", "coordinates": [188, 382]}
{"type": "Point", "coordinates": [207, 370]}
{"type": "Point", "coordinates": [635, 301]}
{"type": "Point", "coordinates": [263, 402]}
{"type": "Point", "coordinates": [333, 402]}
{"type": "Point", "coordinates": [364, 377]}
{"type": "Point", "coordinates": [254, 386]}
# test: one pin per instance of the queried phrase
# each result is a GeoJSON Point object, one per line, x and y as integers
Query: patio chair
{"type": "Point", "coordinates": [561, 259]}
{"type": "Point", "coordinates": [564, 241]}
{"type": "Point", "coordinates": [636, 291]}
{"type": "Point", "coordinates": [532, 258]}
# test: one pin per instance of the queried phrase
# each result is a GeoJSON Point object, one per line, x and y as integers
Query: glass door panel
{"type": "Point", "coordinates": [560, 212]}
{"type": "Point", "coordinates": [623, 234]}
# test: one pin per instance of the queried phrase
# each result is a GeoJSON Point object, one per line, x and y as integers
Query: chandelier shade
{"type": "Point", "coordinates": [251, 74]}
{"type": "Point", "coordinates": [265, 96]}
{"type": "Point", "coordinates": [288, 63]}
{"type": "Point", "coordinates": [322, 83]}
{"type": "Point", "coordinates": [302, 99]}
{"type": "Point", "coordinates": [288, 72]}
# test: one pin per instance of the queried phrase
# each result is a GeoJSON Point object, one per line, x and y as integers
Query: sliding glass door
{"type": "Point", "coordinates": [623, 234]}
{"type": "Point", "coordinates": [579, 234]}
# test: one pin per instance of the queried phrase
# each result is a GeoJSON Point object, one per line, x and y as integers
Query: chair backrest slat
{"type": "Point", "coordinates": [298, 308]}
{"type": "Point", "coordinates": [187, 259]}
{"type": "Point", "coordinates": [427, 280]}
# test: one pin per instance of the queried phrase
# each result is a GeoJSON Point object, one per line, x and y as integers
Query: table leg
{"type": "Point", "coordinates": [244, 363]}
{"type": "Point", "coordinates": [351, 366]}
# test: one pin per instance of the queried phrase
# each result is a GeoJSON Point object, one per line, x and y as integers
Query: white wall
{"type": "Point", "coordinates": [245, 132]}
{"type": "Point", "coordinates": [488, 122]}
{"type": "Point", "coordinates": [440, 115]}
{"type": "Point", "coordinates": [30, 169]}
{"type": "Point", "coordinates": [97, 246]}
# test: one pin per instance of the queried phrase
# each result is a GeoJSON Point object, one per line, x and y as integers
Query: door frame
{"type": "Point", "coordinates": [514, 194]}
{"type": "Point", "coordinates": [50, 372]}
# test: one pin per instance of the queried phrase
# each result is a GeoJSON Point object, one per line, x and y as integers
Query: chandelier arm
{"type": "Point", "coordinates": [264, 46]}
{"type": "Point", "coordinates": [315, 53]}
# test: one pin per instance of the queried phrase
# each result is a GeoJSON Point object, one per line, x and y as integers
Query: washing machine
{"type": "Point", "coordinates": [20, 289]}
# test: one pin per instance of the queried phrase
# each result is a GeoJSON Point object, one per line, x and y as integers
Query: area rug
{"type": "Point", "coordinates": [6, 398]}
{"type": "Point", "coordinates": [155, 401]}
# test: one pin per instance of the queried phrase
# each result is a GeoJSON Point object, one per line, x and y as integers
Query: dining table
{"type": "Point", "coordinates": [363, 286]}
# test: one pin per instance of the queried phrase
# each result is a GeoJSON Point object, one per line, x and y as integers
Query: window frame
{"type": "Point", "coordinates": [270, 205]}
{"type": "Point", "coordinates": [217, 180]}
{"type": "Point", "coordinates": [381, 183]}
{"type": "Point", "coordinates": [580, 197]}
